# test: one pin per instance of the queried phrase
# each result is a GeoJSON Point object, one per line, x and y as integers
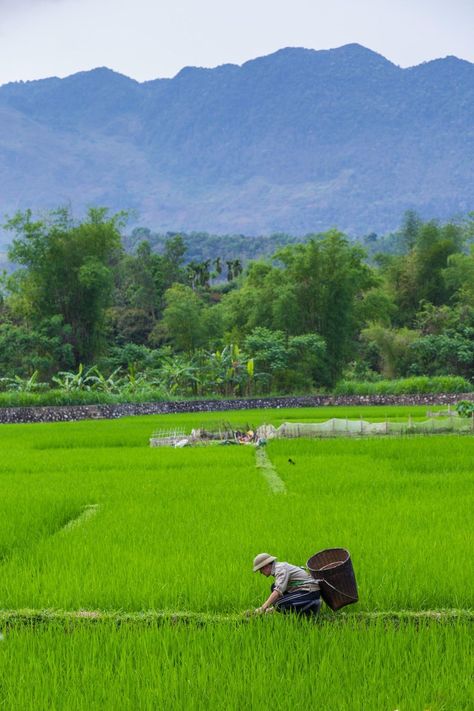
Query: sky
{"type": "Point", "coordinates": [147, 39]}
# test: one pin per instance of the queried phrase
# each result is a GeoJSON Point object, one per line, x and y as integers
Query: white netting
{"type": "Point", "coordinates": [353, 428]}
{"type": "Point", "coordinates": [291, 430]}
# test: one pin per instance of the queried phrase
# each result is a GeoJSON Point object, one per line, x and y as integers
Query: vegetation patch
{"type": "Point", "coordinates": [31, 618]}
{"type": "Point", "coordinates": [80, 315]}
{"type": "Point", "coordinates": [265, 466]}
{"type": "Point", "coordinates": [221, 666]}
{"type": "Point", "coordinates": [161, 578]}
{"type": "Point", "coordinates": [86, 513]}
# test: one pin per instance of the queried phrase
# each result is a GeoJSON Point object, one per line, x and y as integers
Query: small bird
{"type": "Point", "coordinates": [290, 461]}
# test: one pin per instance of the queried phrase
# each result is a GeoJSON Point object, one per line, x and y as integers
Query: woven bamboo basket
{"type": "Point", "coordinates": [333, 569]}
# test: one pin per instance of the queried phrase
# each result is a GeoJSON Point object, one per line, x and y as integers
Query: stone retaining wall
{"type": "Point", "coordinates": [70, 413]}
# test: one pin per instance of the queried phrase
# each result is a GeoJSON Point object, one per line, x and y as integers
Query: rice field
{"type": "Point", "coordinates": [125, 570]}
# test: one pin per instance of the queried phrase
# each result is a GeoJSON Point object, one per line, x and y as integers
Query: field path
{"type": "Point", "coordinates": [264, 463]}
{"type": "Point", "coordinates": [11, 618]}
{"type": "Point", "coordinates": [45, 530]}
{"type": "Point", "coordinates": [86, 513]}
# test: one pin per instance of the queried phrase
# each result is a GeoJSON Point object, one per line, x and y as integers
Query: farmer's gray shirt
{"type": "Point", "coordinates": [289, 577]}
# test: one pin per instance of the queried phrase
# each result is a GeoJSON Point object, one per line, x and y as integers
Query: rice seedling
{"type": "Point", "coordinates": [401, 506]}
{"type": "Point", "coordinates": [93, 520]}
{"type": "Point", "coordinates": [288, 663]}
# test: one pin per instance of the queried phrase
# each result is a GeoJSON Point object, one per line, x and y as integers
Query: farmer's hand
{"type": "Point", "coordinates": [259, 611]}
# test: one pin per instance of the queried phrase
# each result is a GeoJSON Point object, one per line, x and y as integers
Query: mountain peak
{"type": "Point", "coordinates": [100, 74]}
{"type": "Point", "coordinates": [349, 59]}
{"type": "Point", "coordinates": [295, 141]}
{"type": "Point", "coordinates": [359, 52]}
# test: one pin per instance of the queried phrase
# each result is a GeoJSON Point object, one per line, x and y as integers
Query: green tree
{"type": "Point", "coordinates": [44, 348]}
{"type": "Point", "coordinates": [67, 271]}
{"type": "Point", "coordinates": [459, 277]}
{"type": "Point", "coordinates": [450, 353]}
{"type": "Point", "coordinates": [434, 247]}
{"type": "Point", "coordinates": [311, 288]}
{"type": "Point", "coordinates": [138, 296]}
{"type": "Point", "coordinates": [393, 348]}
{"type": "Point", "coordinates": [409, 231]}
{"type": "Point", "coordinates": [328, 277]}
{"type": "Point", "coordinates": [284, 363]}
{"type": "Point", "coordinates": [446, 342]}
{"type": "Point", "coordinates": [376, 306]}
{"type": "Point", "coordinates": [420, 275]}
{"type": "Point", "coordinates": [182, 324]}
{"type": "Point", "coordinates": [173, 261]}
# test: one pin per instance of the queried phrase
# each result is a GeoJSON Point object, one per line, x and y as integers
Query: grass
{"type": "Point", "coordinates": [71, 619]}
{"type": "Point", "coordinates": [421, 384]}
{"type": "Point", "coordinates": [57, 397]}
{"type": "Point", "coordinates": [169, 521]}
{"type": "Point", "coordinates": [282, 662]}
{"type": "Point", "coordinates": [144, 539]}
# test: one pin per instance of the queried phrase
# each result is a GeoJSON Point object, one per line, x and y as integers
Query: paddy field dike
{"type": "Point", "coordinates": [125, 570]}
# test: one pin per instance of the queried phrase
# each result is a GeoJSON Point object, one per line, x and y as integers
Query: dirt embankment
{"type": "Point", "coordinates": [70, 413]}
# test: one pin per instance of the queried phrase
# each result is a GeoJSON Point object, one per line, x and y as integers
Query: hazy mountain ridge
{"type": "Point", "coordinates": [296, 141]}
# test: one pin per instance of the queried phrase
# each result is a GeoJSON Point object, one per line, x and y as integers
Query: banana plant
{"type": "Point", "coordinates": [134, 381]}
{"type": "Point", "coordinates": [179, 375]}
{"type": "Point", "coordinates": [101, 383]}
{"type": "Point", "coordinates": [70, 382]}
{"type": "Point", "coordinates": [23, 385]}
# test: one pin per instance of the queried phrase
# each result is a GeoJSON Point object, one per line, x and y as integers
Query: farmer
{"type": "Point", "coordinates": [294, 590]}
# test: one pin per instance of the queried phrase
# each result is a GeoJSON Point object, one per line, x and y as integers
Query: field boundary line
{"type": "Point", "coordinates": [70, 413]}
{"type": "Point", "coordinates": [86, 513]}
{"type": "Point", "coordinates": [264, 463]}
{"type": "Point", "coordinates": [27, 617]}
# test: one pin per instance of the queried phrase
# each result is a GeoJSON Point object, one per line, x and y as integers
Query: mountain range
{"type": "Point", "coordinates": [297, 141]}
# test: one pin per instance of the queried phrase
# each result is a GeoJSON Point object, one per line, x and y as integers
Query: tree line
{"type": "Point", "coordinates": [310, 315]}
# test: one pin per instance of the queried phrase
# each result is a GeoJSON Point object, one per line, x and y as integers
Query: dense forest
{"type": "Point", "coordinates": [309, 315]}
{"type": "Point", "coordinates": [201, 246]}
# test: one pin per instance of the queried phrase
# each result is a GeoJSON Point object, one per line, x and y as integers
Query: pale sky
{"type": "Point", "coordinates": [147, 39]}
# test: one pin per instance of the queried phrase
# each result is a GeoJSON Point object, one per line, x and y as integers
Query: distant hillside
{"type": "Point", "coordinates": [296, 142]}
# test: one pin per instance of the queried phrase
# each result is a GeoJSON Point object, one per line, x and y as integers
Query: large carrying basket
{"type": "Point", "coordinates": [333, 569]}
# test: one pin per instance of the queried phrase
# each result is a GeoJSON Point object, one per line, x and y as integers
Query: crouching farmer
{"type": "Point", "coordinates": [294, 590]}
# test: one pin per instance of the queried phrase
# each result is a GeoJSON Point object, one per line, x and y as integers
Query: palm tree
{"type": "Point", "coordinates": [230, 269]}
{"type": "Point", "coordinates": [205, 273]}
{"type": "Point", "coordinates": [238, 268]}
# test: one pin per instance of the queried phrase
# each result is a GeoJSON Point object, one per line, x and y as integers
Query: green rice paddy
{"type": "Point", "coordinates": [134, 565]}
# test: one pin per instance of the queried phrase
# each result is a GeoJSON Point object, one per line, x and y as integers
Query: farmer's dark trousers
{"type": "Point", "coordinates": [300, 601]}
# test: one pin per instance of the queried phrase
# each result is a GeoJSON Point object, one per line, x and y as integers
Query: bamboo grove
{"type": "Point", "coordinates": [314, 313]}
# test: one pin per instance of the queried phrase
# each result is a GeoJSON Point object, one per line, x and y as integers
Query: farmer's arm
{"type": "Point", "coordinates": [281, 584]}
{"type": "Point", "coordinates": [275, 595]}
